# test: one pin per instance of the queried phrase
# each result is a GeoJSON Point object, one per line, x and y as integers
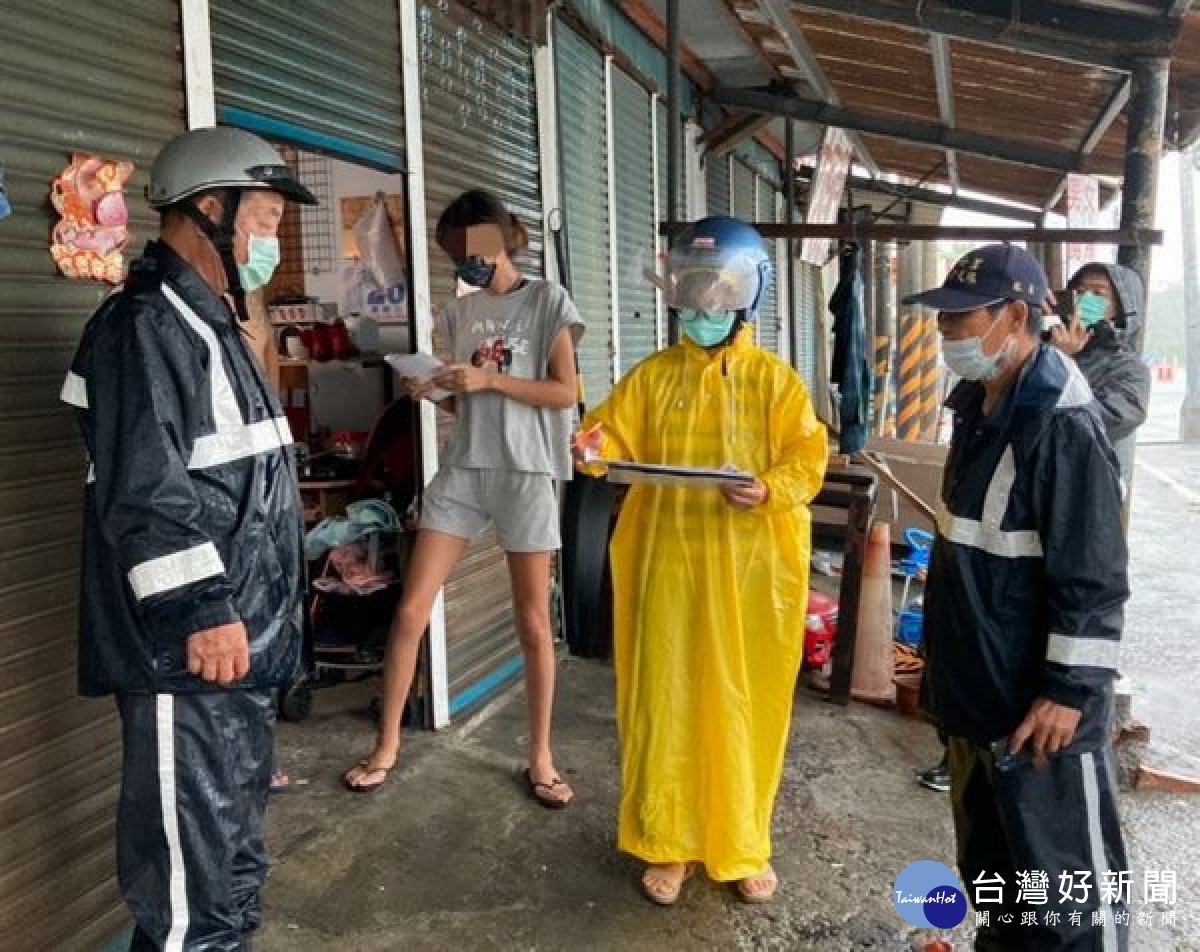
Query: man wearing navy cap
{"type": "Point", "coordinates": [1023, 614]}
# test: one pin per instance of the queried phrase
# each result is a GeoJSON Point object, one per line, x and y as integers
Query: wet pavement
{"type": "Point", "coordinates": [451, 855]}
{"type": "Point", "coordinates": [1161, 656]}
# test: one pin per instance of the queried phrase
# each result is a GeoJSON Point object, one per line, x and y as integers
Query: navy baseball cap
{"type": "Point", "coordinates": [985, 276]}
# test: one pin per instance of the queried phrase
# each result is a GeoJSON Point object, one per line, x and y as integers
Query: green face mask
{"type": "Point", "coordinates": [264, 259]}
{"type": "Point", "coordinates": [706, 328]}
{"type": "Point", "coordinates": [1091, 308]}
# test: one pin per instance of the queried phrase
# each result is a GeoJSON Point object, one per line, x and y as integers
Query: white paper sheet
{"type": "Point", "coordinates": [420, 367]}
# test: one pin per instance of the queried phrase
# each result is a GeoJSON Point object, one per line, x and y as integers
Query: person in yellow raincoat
{"type": "Point", "coordinates": [710, 585]}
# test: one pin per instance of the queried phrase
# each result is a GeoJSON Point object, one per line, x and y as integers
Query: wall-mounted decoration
{"type": "Point", "coordinates": [89, 240]}
{"type": "Point", "coordinates": [5, 208]}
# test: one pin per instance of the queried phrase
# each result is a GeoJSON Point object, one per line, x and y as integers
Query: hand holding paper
{"type": "Point", "coordinates": [418, 372]}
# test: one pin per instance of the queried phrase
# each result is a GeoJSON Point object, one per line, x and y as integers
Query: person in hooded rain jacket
{"type": "Point", "coordinates": [1102, 339]}
{"type": "Point", "coordinates": [710, 585]}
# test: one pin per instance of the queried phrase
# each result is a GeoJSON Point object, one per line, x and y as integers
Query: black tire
{"type": "Point", "coordinates": [587, 521]}
{"type": "Point", "coordinates": [296, 703]}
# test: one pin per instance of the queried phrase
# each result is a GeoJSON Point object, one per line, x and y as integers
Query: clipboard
{"type": "Point", "coordinates": [682, 477]}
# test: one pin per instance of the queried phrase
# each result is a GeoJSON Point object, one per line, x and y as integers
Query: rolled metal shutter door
{"type": "Point", "coordinates": [633, 167]}
{"type": "Point", "coordinates": [808, 304]}
{"type": "Point", "coordinates": [322, 75]}
{"type": "Point", "coordinates": [716, 181]}
{"type": "Point", "coordinates": [745, 192]}
{"type": "Point", "coordinates": [583, 144]}
{"type": "Point", "coordinates": [768, 318]}
{"type": "Point", "coordinates": [104, 78]}
{"type": "Point", "coordinates": [479, 130]}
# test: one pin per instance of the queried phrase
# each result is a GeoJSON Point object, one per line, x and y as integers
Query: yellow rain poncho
{"type": "Point", "coordinates": [709, 601]}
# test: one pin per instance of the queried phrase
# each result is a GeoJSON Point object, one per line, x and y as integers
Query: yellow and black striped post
{"type": "Point", "coordinates": [909, 376]}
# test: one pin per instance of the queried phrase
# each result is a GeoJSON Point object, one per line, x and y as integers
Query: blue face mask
{"type": "Point", "coordinates": [967, 359]}
{"type": "Point", "coordinates": [1091, 307]}
{"type": "Point", "coordinates": [263, 259]}
{"type": "Point", "coordinates": [475, 272]}
{"type": "Point", "coordinates": [707, 328]}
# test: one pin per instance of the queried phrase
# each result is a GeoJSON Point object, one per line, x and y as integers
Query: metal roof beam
{"type": "Point", "coordinates": [943, 78]}
{"type": "Point", "coordinates": [977, 233]}
{"type": "Point", "coordinates": [1030, 32]}
{"type": "Point", "coordinates": [733, 130]}
{"type": "Point", "coordinates": [907, 130]}
{"type": "Point", "coordinates": [781, 18]}
{"type": "Point", "coordinates": [930, 196]}
{"type": "Point", "coordinates": [1136, 34]}
{"type": "Point", "coordinates": [1108, 115]}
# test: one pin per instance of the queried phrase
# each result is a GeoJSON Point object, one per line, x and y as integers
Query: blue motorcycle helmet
{"type": "Point", "coordinates": [718, 264]}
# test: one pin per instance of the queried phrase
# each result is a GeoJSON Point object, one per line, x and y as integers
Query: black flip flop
{"type": "Point", "coordinates": [366, 787]}
{"type": "Point", "coordinates": [551, 803]}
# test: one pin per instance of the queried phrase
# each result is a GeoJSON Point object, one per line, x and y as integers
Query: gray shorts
{"type": "Point", "coordinates": [522, 506]}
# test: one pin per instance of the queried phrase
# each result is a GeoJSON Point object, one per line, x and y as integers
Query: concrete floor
{"type": "Point", "coordinates": [450, 855]}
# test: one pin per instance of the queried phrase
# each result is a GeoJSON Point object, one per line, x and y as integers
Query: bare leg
{"type": "Point", "coordinates": [434, 556]}
{"type": "Point", "coordinates": [530, 574]}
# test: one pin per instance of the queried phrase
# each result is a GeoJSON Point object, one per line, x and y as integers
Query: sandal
{"type": "Point", "coordinates": [762, 893]}
{"type": "Point", "coordinates": [661, 887]}
{"type": "Point", "coordinates": [362, 769]}
{"type": "Point", "coordinates": [554, 795]}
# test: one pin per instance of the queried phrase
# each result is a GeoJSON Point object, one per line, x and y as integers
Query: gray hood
{"type": "Point", "coordinates": [1130, 295]}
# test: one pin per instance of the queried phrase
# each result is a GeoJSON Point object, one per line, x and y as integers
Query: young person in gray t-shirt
{"type": "Point", "coordinates": [512, 376]}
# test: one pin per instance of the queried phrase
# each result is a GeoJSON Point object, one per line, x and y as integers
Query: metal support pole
{"type": "Point", "coordinates": [884, 309]}
{"type": "Point", "coordinates": [1189, 417]}
{"type": "Point", "coordinates": [1143, 147]}
{"type": "Point", "coordinates": [931, 376]}
{"type": "Point", "coordinates": [789, 216]}
{"type": "Point", "coordinates": [674, 145]}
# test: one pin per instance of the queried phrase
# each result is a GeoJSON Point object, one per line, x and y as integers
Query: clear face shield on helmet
{"type": "Point", "coordinates": [707, 281]}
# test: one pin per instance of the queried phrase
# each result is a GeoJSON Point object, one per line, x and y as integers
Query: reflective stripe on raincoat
{"type": "Point", "coordinates": [709, 600]}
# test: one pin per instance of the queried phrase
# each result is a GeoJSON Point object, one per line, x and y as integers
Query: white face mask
{"type": "Point", "coordinates": [967, 358]}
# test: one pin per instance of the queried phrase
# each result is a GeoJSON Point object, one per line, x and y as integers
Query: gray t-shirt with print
{"type": "Point", "coordinates": [514, 334]}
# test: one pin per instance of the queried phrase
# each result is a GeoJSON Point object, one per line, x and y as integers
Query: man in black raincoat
{"type": "Point", "coordinates": [190, 609]}
{"type": "Point", "coordinates": [1023, 619]}
{"type": "Point", "coordinates": [1103, 340]}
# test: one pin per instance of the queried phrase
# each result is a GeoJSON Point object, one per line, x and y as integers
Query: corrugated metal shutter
{"type": "Point", "coordinates": [331, 71]}
{"type": "Point", "coordinates": [103, 77]}
{"type": "Point", "coordinates": [716, 180]}
{"type": "Point", "coordinates": [661, 146]}
{"type": "Point", "coordinates": [633, 170]}
{"type": "Point", "coordinates": [479, 126]}
{"type": "Point", "coordinates": [745, 192]}
{"type": "Point", "coordinates": [583, 144]}
{"type": "Point", "coordinates": [808, 304]}
{"type": "Point", "coordinates": [768, 318]}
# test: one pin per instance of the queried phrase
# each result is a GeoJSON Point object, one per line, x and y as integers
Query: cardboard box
{"type": "Point", "coordinates": [919, 466]}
